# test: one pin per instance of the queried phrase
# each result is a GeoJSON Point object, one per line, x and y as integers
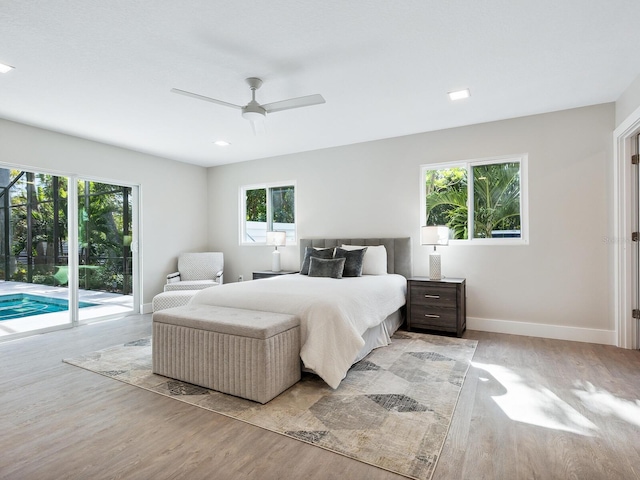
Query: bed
{"type": "Point", "coordinates": [341, 320]}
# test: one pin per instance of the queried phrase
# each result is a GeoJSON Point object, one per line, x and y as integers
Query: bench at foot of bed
{"type": "Point", "coordinates": [246, 353]}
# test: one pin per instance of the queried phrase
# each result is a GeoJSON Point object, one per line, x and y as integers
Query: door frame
{"type": "Point", "coordinates": [136, 232]}
{"type": "Point", "coordinates": [623, 252]}
{"type": "Point", "coordinates": [72, 239]}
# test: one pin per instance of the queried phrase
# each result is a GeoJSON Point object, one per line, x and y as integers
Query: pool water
{"type": "Point", "coordinates": [18, 305]}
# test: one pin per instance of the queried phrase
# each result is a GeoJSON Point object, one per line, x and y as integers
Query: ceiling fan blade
{"type": "Point", "coordinates": [306, 101]}
{"type": "Point", "coordinates": [258, 127]}
{"type": "Point", "coordinates": [206, 99]}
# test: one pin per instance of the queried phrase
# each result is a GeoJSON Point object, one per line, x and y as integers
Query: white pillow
{"type": "Point", "coordinates": [375, 259]}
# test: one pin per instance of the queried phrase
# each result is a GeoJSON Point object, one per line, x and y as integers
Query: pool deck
{"type": "Point", "coordinates": [108, 304]}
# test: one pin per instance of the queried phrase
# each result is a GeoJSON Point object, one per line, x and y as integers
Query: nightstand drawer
{"type": "Point", "coordinates": [440, 327]}
{"type": "Point", "coordinates": [437, 296]}
{"type": "Point", "coordinates": [438, 305]}
{"type": "Point", "coordinates": [422, 315]}
{"type": "Point", "coordinates": [268, 274]}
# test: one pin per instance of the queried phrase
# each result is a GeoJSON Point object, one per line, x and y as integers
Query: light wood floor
{"type": "Point", "coordinates": [529, 409]}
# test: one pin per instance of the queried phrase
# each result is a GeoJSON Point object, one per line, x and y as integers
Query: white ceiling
{"type": "Point", "coordinates": [102, 70]}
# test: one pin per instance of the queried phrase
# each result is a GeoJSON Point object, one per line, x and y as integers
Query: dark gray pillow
{"type": "Point", "coordinates": [321, 267]}
{"type": "Point", "coordinates": [317, 253]}
{"type": "Point", "coordinates": [353, 263]}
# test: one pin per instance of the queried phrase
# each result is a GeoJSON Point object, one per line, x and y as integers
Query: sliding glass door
{"type": "Point", "coordinates": [105, 260]}
{"type": "Point", "coordinates": [66, 251]}
{"type": "Point", "coordinates": [33, 251]}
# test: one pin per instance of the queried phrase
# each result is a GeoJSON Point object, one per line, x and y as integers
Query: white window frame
{"type": "Point", "coordinates": [522, 159]}
{"type": "Point", "coordinates": [243, 210]}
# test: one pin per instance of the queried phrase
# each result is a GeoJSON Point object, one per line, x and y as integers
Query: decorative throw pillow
{"type": "Point", "coordinates": [353, 261]}
{"type": "Point", "coordinates": [375, 260]}
{"type": "Point", "coordinates": [320, 267]}
{"type": "Point", "coordinates": [314, 252]}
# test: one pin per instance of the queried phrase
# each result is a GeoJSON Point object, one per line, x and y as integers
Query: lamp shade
{"type": "Point", "coordinates": [434, 235]}
{"type": "Point", "coordinates": [276, 238]}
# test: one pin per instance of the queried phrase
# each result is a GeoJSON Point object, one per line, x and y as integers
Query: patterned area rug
{"type": "Point", "coordinates": [393, 410]}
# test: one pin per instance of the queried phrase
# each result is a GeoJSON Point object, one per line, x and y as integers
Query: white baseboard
{"type": "Point", "coordinates": [558, 332]}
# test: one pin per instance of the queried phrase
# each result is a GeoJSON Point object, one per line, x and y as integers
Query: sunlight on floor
{"type": "Point", "coordinates": [604, 403]}
{"type": "Point", "coordinates": [528, 402]}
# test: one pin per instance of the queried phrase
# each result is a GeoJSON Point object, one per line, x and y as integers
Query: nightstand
{"type": "Point", "coordinates": [437, 304]}
{"type": "Point", "coordinates": [268, 273]}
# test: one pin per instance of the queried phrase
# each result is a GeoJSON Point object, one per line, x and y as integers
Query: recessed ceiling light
{"type": "Point", "coordinates": [222, 143]}
{"type": "Point", "coordinates": [459, 94]}
{"type": "Point", "coordinates": [5, 68]}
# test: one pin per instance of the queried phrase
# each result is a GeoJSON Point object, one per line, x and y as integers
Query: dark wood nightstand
{"type": "Point", "coordinates": [268, 273]}
{"type": "Point", "coordinates": [437, 304]}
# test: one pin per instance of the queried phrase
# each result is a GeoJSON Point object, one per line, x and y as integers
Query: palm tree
{"type": "Point", "coordinates": [496, 195]}
{"type": "Point", "coordinates": [496, 206]}
{"type": "Point", "coordinates": [449, 207]}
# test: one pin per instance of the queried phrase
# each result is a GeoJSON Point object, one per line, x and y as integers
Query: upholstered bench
{"type": "Point", "coordinates": [173, 298]}
{"type": "Point", "coordinates": [246, 353]}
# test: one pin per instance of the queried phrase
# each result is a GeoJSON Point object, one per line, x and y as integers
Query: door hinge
{"type": "Point", "coordinates": [635, 159]}
{"type": "Point", "coordinates": [635, 236]}
{"type": "Point", "coordinates": [636, 313]}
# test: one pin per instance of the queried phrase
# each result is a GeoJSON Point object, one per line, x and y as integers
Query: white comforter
{"type": "Point", "coordinates": [333, 313]}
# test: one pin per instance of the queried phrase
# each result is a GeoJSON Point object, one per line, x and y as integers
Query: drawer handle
{"type": "Point", "coordinates": [431, 316]}
{"type": "Point", "coordinates": [432, 296]}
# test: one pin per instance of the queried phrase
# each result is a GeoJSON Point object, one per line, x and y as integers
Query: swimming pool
{"type": "Point", "coordinates": [18, 305]}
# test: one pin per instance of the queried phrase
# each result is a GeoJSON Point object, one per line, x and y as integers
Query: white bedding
{"type": "Point", "coordinates": [333, 313]}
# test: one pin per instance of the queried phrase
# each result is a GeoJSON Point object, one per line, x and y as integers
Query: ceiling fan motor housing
{"type": "Point", "coordinates": [253, 111]}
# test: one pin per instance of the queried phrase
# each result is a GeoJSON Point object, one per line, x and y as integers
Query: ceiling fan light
{"type": "Point", "coordinates": [253, 116]}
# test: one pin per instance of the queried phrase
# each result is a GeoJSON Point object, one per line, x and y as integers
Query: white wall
{"type": "Point", "coordinates": [628, 102]}
{"type": "Point", "coordinates": [174, 195]}
{"type": "Point", "coordinates": [557, 286]}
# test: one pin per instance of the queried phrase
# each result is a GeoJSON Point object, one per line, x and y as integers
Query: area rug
{"type": "Point", "coordinates": [393, 410]}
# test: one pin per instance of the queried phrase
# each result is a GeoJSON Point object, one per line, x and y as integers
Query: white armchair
{"type": "Point", "coordinates": [196, 271]}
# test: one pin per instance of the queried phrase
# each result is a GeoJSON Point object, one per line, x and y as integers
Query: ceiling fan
{"type": "Point", "coordinates": [255, 112]}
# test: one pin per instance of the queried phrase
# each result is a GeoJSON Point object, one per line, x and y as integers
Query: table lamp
{"type": "Point", "coordinates": [434, 235]}
{"type": "Point", "coordinates": [277, 239]}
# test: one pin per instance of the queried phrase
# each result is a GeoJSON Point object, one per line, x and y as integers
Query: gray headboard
{"type": "Point", "coordinates": [398, 250]}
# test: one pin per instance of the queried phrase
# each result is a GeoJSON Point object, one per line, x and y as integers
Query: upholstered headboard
{"type": "Point", "coordinates": [398, 250]}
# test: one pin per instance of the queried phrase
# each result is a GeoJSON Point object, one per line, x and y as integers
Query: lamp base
{"type": "Point", "coordinates": [435, 272]}
{"type": "Point", "coordinates": [275, 261]}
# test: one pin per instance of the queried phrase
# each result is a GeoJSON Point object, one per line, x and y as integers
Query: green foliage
{"type": "Point", "coordinates": [496, 192]}
{"type": "Point", "coordinates": [98, 228]}
{"type": "Point", "coordinates": [102, 230]}
{"type": "Point", "coordinates": [100, 236]}
{"type": "Point", "coordinates": [36, 191]}
{"type": "Point", "coordinates": [256, 205]}
{"type": "Point", "coordinates": [496, 195]}
{"type": "Point", "coordinates": [447, 200]}
{"type": "Point", "coordinates": [283, 204]}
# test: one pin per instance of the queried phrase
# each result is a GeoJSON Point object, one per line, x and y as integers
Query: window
{"type": "Point", "coordinates": [267, 208]}
{"type": "Point", "coordinates": [482, 200]}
